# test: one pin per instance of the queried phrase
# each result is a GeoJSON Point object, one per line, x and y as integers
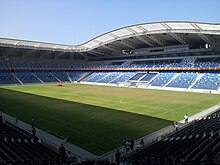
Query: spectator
{"type": "Point", "coordinates": [132, 144]}
{"type": "Point", "coordinates": [124, 144]}
{"type": "Point", "coordinates": [142, 142]}
{"type": "Point", "coordinates": [186, 118]}
{"type": "Point", "coordinates": [62, 152]}
{"type": "Point", "coordinates": [117, 157]}
{"type": "Point", "coordinates": [32, 122]}
{"type": "Point", "coordinates": [68, 156]}
{"type": "Point", "coordinates": [33, 132]}
{"type": "Point", "coordinates": [128, 146]}
{"type": "Point", "coordinates": [175, 125]}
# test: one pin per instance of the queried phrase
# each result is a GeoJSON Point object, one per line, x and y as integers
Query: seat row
{"type": "Point", "coordinates": [56, 64]}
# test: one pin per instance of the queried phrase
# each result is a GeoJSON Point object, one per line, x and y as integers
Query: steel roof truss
{"type": "Point", "coordinates": [97, 52]}
{"type": "Point", "coordinates": [111, 48]}
{"type": "Point", "coordinates": [145, 40]}
{"type": "Point", "coordinates": [157, 39]}
{"type": "Point", "coordinates": [206, 38]}
{"type": "Point", "coordinates": [179, 38]}
{"type": "Point", "coordinates": [127, 44]}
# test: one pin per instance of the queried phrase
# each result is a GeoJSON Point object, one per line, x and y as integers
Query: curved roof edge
{"type": "Point", "coordinates": [119, 34]}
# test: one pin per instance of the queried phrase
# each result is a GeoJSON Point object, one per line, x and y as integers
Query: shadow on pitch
{"type": "Point", "coordinates": [97, 129]}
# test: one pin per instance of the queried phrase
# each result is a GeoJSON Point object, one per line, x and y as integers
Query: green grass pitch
{"type": "Point", "coordinates": [98, 118]}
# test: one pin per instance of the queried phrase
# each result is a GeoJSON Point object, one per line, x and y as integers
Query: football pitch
{"type": "Point", "coordinates": [98, 118]}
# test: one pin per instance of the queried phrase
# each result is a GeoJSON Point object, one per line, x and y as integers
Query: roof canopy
{"type": "Point", "coordinates": [120, 34]}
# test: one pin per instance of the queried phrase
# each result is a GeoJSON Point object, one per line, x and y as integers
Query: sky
{"type": "Point", "coordinates": [74, 22]}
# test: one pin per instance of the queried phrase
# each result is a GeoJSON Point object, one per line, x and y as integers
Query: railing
{"type": "Point", "coordinates": [113, 69]}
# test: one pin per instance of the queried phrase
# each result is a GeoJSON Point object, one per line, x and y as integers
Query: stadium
{"type": "Point", "coordinates": [132, 84]}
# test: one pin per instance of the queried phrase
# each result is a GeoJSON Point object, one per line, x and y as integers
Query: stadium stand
{"type": "Point", "coordinates": [61, 76]}
{"type": "Point", "coordinates": [27, 77]}
{"type": "Point", "coordinates": [208, 81]}
{"type": "Point", "coordinates": [137, 76]}
{"type": "Point", "coordinates": [111, 76]}
{"type": "Point", "coordinates": [46, 76]}
{"type": "Point", "coordinates": [123, 77]}
{"type": "Point", "coordinates": [97, 76]}
{"type": "Point", "coordinates": [183, 80]}
{"type": "Point", "coordinates": [148, 76]}
{"type": "Point", "coordinates": [206, 63]}
{"type": "Point", "coordinates": [27, 72]}
{"type": "Point", "coordinates": [8, 78]}
{"type": "Point", "coordinates": [196, 143]}
{"type": "Point", "coordinates": [56, 64]}
{"type": "Point", "coordinates": [19, 147]}
{"type": "Point", "coordinates": [162, 78]}
{"type": "Point", "coordinates": [75, 76]}
{"type": "Point", "coordinates": [174, 79]}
